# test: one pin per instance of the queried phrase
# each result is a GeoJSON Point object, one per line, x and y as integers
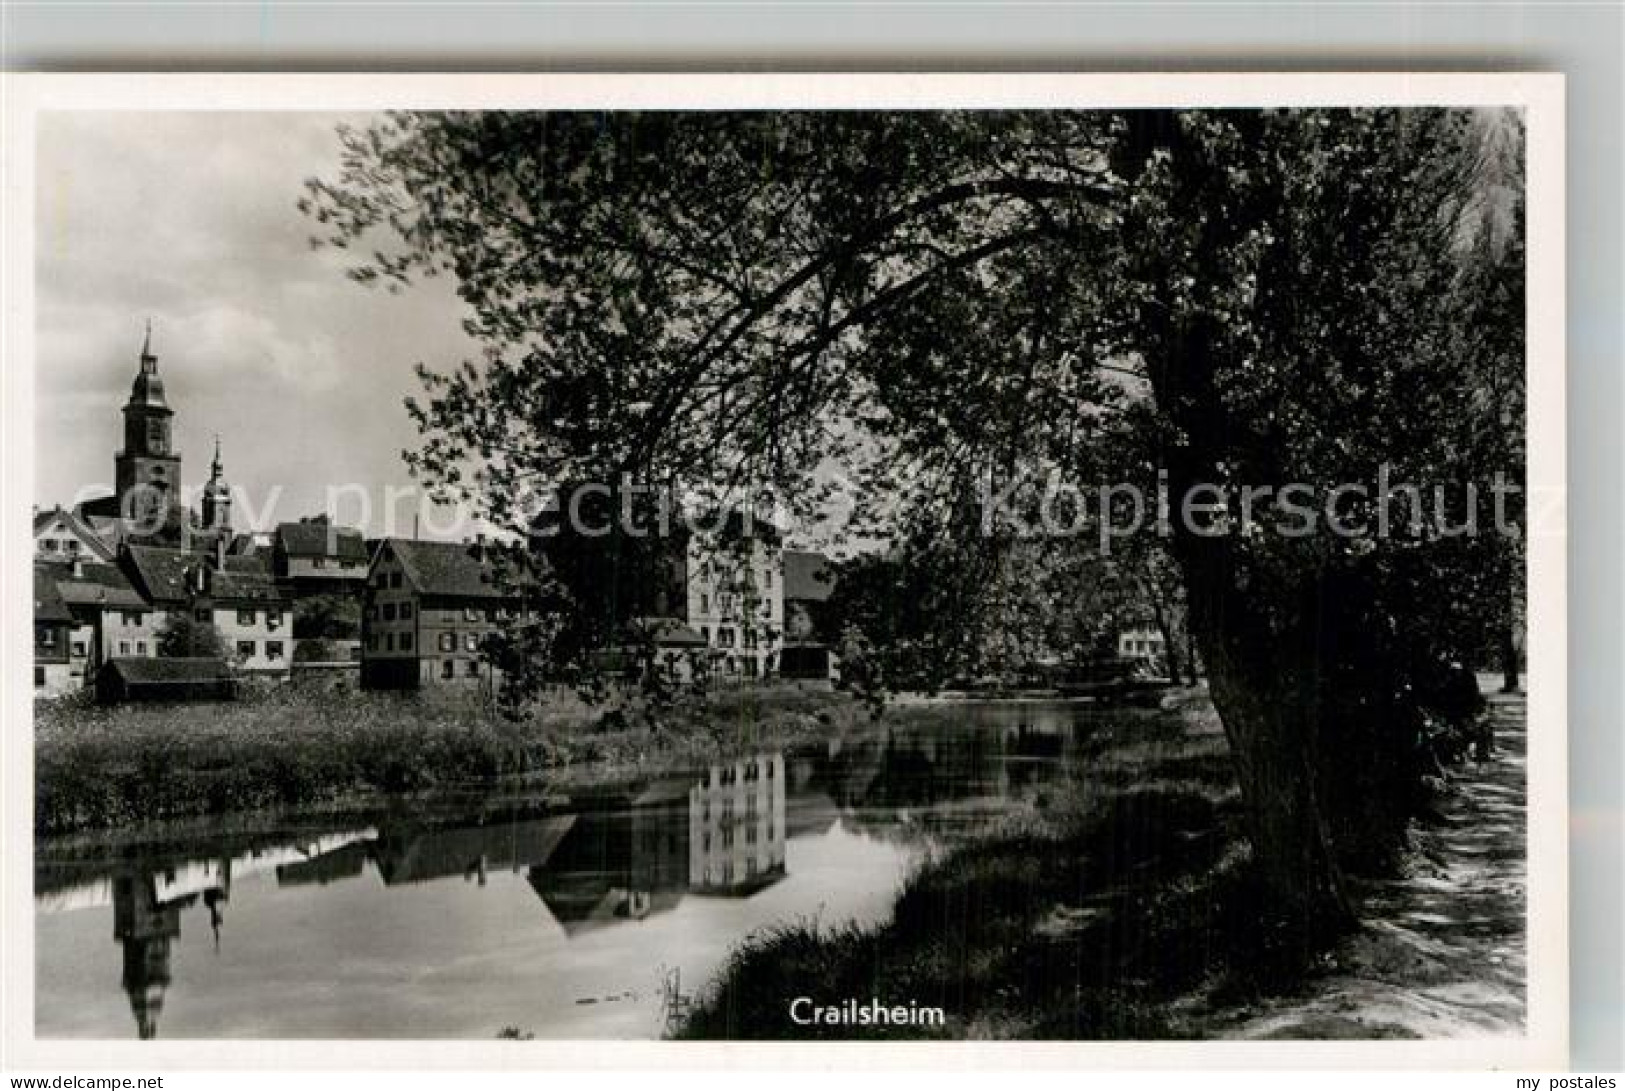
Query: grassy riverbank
{"type": "Point", "coordinates": [111, 767]}
{"type": "Point", "coordinates": [1119, 911]}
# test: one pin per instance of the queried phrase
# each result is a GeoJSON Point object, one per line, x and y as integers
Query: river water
{"type": "Point", "coordinates": [559, 916]}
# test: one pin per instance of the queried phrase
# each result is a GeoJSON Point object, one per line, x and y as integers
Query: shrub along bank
{"type": "Point", "coordinates": [99, 767]}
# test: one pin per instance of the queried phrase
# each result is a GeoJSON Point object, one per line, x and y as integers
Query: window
{"type": "Point", "coordinates": [750, 638]}
{"type": "Point", "coordinates": [448, 668]}
{"type": "Point", "coordinates": [448, 642]}
{"type": "Point", "coordinates": [202, 614]}
{"type": "Point", "coordinates": [273, 619]}
{"type": "Point", "coordinates": [39, 676]}
{"type": "Point", "coordinates": [406, 610]}
{"type": "Point", "coordinates": [395, 579]}
{"type": "Point", "coordinates": [49, 544]}
{"type": "Point", "coordinates": [725, 637]}
{"type": "Point", "coordinates": [473, 667]}
{"type": "Point", "coordinates": [273, 649]}
{"type": "Point", "coordinates": [124, 647]}
{"type": "Point", "coordinates": [470, 614]}
{"type": "Point", "coordinates": [705, 633]}
{"type": "Point", "coordinates": [130, 617]}
{"type": "Point", "coordinates": [318, 562]}
{"type": "Point", "coordinates": [389, 642]}
{"type": "Point", "coordinates": [246, 649]}
{"type": "Point", "coordinates": [72, 545]}
{"type": "Point", "coordinates": [245, 617]}
{"type": "Point", "coordinates": [389, 611]}
{"type": "Point", "coordinates": [47, 637]}
{"type": "Point", "coordinates": [79, 648]}
{"type": "Point", "coordinates": [406, 642]}
{"type": "Point", "coordinates": [705, 603]}
{"type": "Point", "coordinates": [471, 642]}
{"type": "Point", "coordinates": [140, 647]}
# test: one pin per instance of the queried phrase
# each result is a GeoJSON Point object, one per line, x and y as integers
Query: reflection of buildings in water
{"type": "Point", "coordinates": [919, 765]}
{"type": "Point", "coordinates": [344, 862]}
{"type": "Point", "coordinates": [414, 854]}
{"type": "Point", "coordinates": [145, 927]}
{"type": "Point", "coordinates": [809, 814]}
{"type": "Point", "coordinates": [147, 900]}
{"type": "Point", "coordinates": [618, 864]}
{"type": "Point", "coordinates": [736, 827]}
{"type": "Point", "coordinates": [722, 835]}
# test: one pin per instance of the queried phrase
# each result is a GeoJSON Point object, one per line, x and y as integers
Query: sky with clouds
{"type": "Point", "coordinates": [189, 219]}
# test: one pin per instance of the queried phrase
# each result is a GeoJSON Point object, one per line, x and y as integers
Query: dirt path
{"type": "Point", "coordinates": [1442, 952]}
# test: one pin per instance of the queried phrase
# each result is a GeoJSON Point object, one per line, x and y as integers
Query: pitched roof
{"type": "Point", "coordinates": [244, 587]}
{"type": "Point", "coordinates": [78, 527]}
{"type": "Point", "coordinates": [251, 564]}
{"type": "Point", "coordinates": [160, 574]}
{"type": "Point", "coordinates": [666, 632]}
{"type": "Point", "coordinates": [449, 568]}
{"type": "Point", "coordinates": [808, 576]}
{"type": "Point", "coordinates": [321, 540]}
{"type": "Point", "coordinates": [48, 604]}
{"type": "Point", "coordinates": [98, 585]}
{"type": "Point", "coordinates": [140, 670]}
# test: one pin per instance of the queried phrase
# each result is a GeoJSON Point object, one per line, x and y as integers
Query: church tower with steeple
{"type": "Point", "coordinates": [148, 466]}
{"type": "Point", "coordinates": [217, 496]}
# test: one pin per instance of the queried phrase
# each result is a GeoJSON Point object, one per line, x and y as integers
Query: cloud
{"type": "Point", "coordinates": [189, 218]}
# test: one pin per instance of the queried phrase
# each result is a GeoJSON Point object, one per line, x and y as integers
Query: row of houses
{"type": "Point", "coordinates": [741, 615]}
{"type": "Point", "coordinates": [111, 573]}
{"type": "Point", "coordinates": [426, 608]}
{"type": "Point", "coordinates": [94, 603]}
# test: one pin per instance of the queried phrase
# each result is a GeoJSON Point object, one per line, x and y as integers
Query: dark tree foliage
{"type": "Point", "coordinates": [182, 636]}
{"type": "Point", "coordinates": [333, 615]}
{"type": "Point", "coordinates": [944, 302]}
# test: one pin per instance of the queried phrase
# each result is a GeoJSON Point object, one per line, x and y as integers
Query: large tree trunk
{"type": "Point", "coordinates": [1267, 708]}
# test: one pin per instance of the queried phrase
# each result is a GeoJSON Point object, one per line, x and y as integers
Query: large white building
{"type": "Point", "coordinates": [735, 602]}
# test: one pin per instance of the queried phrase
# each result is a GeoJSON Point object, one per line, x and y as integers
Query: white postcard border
{"type": "Point", "coordinates": [1540, 95]}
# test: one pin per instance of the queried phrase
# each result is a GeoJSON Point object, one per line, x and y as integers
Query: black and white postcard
{"type": "Point", "coordinates": [637, 568]}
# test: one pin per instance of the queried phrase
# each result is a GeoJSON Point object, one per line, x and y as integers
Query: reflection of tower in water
{"type": "Point", "coordinates": [145, 927]}
{"type": "Point", "coordinates": [147, 908]}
